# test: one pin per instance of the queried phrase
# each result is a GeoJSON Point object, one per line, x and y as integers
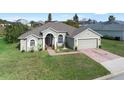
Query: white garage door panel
{"type": "Point", "coordinates": [87, 43]}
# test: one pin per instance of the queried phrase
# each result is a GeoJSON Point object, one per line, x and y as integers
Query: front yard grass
{"type": "Point", "coordinates": [114, 46]}
{"type": "Point", "coordinates": [39, 65]}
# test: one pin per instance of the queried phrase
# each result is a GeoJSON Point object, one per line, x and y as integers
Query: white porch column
{"type": "Point", "coordinates": [55, 39]}
{"type": "Point", "coordinates": [43, 43]}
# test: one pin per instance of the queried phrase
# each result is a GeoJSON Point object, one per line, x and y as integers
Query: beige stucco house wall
{"type": "Point", "coordinates": [88, 35]}
{"type": "Point", "coordinates": [55, 37]}
{"type": "Point", "coordinates": [25, 43]}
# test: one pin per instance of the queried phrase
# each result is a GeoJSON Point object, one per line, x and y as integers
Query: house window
{"type": "Point", "coordinates": [32, 43]}
{"type": "Point", "coordinates": [60, 39]}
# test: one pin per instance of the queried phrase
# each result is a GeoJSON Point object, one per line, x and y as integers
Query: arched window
{"type": "Point", "coordinates": [60, 39]}
{"type": "Point", "coordinates": [32, 43]}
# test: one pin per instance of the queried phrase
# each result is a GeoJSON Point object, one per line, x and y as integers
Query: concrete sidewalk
{"type": "Point", "coordinates": [110, 76]}
{"type": "Point", "coordinates": [114, 66]}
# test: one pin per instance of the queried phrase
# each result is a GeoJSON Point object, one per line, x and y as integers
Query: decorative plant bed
{"type": "Point", "coordinates": [61, 50]}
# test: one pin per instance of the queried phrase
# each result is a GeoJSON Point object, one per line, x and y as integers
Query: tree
{"type": "Point", "coordinates": [94, 21]}
{"type": "Point", "coordinates": [111, 18]}
{"type": "Point", "coordinates": [75, 18]}
{"type": "Point", "coordinates": [89, 21]}
{"type": "Point", "coordinates": [49, 17]}
{"type": "Point", "coordinates": [72, 23]}
{"type": "Point", "coordinates": [35, 24]}
{"type": "Point", "coordinates": [2, 21]}
{"type": "Point", "coordinates": [13, 31]}
{"type": "Point", "coordinates": [32, 23]}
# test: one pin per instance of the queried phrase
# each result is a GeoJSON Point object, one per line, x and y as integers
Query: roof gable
{"type": "Point", "coordinates": [82, 33]}
{"type": "Point", "coordinates": [52, 29]}
{"type": "Point", "coordinates": [94, 32]}
{"type": "Point", "coordinates": [32, 35]}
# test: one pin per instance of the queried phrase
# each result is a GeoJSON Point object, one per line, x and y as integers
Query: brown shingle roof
{"type": "Point", "coordinates": [59, 27]}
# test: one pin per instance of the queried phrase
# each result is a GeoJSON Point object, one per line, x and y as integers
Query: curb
{"type": "Point", "coordinates": [107, 77]}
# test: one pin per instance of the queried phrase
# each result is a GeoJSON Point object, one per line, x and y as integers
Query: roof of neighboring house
{"type": "Point", "coordinates": [106, 26]}
{"type": "Point", "coordinates": [59, 27]}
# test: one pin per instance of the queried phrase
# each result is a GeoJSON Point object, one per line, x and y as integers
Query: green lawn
{"type": "Point", "coordinates": [116, 47]}
{"type": "Point", "coordinates": [39, 65]}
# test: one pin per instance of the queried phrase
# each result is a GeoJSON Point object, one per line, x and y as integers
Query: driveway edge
{"type": "Point", "coordinates": [109, 76]}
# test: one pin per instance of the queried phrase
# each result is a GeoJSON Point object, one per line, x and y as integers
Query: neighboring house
{"type": "Point", "coordinates": [86, 21]}
{"type": "Point", "coordinates": [2, 25]}
{"type": "Point", "coordinates": [22, 21]}
{"type": "Point", "coordinates": [115, 29]}
{"type": "Point", "coordinates": [55, 34]}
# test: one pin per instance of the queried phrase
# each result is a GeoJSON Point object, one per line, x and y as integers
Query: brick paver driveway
{"type": "Point", "coordinates": [112, 62]}
{"type": "Point", "coordinates": [99, 55]}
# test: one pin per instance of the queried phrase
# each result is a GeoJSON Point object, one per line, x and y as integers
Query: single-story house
{"type": "Point", "coordinates": [55, 34]}
{"type": "Point", "coordinates": [115, 30]}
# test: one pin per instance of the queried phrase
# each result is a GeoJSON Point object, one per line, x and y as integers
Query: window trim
{"type": "Point", "coordinates": [32, 40]}
{"type": "Point", "coordinates": [60, 39]}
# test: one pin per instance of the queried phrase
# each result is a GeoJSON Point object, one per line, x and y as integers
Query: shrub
{"type": "Point", "coordinates": [117, 38]}
{"type": "Point", "coordinates": [53, 46]}
{"type": "Point", "coordinates": [2, 32]}
{"type": "Point", "coordinates": [100, 46]}
{"type": "Point", "coordinates": [45, 47]}
{"type": "Point", "coordinates": [108, 37]}
{"type": "Point", "coordinates": [32, 49]}
{"type": "Point", "coordinates": [18, 46]}
{"type": "Point", "coordinates": [39, 47]}
{"type": "Point", "coordinates": [23, 51]}
{"type": "Point", "coordinates": [111, 38]}
{"type": "Point", "coordinates": [75, 48]}
{"type": "Point", "coordinates": [62, 46]}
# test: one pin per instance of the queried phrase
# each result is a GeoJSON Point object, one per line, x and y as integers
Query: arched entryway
{"type": "Point", "coordinates": [49, 40]}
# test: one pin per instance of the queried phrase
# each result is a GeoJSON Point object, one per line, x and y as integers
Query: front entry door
{"type": "Point", "coordinates": [49, 39]}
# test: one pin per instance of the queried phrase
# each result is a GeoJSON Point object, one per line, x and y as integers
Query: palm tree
{"type": "Point", "coordinates": [111, 18]}
{"type": "Point", "coordinates": [49, 17]}
{"type": "Point", "coordinates": [75, 18]}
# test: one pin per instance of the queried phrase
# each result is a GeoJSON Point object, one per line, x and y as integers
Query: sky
{"type": "Point", "coordinates": [58, 16]}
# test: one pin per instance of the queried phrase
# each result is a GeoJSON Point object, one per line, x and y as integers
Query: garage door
{"type": "Point", "coordinates": [87, 43]}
